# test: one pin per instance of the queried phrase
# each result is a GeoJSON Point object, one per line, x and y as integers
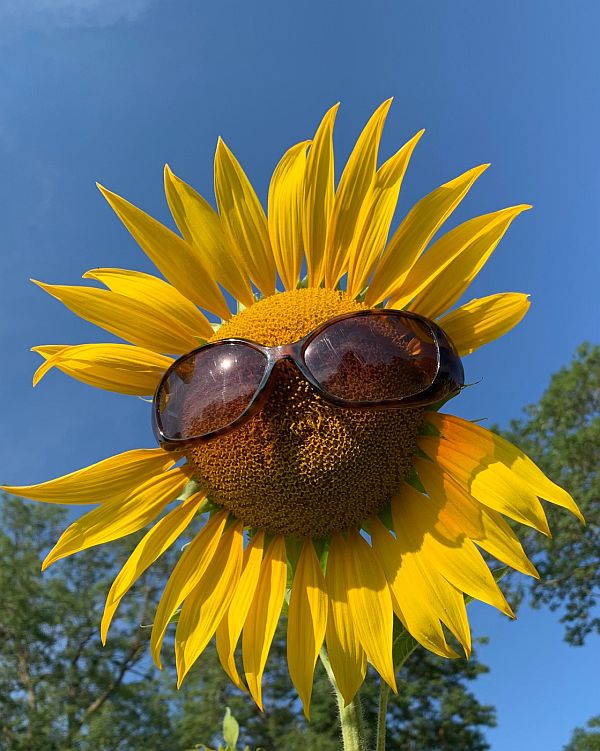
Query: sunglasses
{"type": "Point", "coordinates": [371, 359]}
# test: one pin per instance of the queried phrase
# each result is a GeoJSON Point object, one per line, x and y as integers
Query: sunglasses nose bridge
{"type": "Point", "coordinates": [284, 352]}
{"type": "Point", "coordinates": [285, 357]}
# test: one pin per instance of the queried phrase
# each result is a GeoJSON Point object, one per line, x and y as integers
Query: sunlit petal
{"type": "Point", "coordinates": [318, 197]}
{"type": "Point", "coordinates": [243, 219]}
{"type": "Point", "coordinates": [188, 571]}
{"type": "Point", "coordinates": [111, 479]}
{"type": "Point", "coordinates": [230, 628]}
{"type": "Point", "coordinates": [200, 225]}
{"type": "Point", "coordinates": [415, 232]}
{"type": "Point", "coordinates": [176, 259]}
{"type": "Point", "coordinates": [286, 199]}
{"type": "Point", "coordinates": [154, 543]}
{"type": "Point", "coordinates": [112, 521]}
{"type": "Point", "coordinates": [448, 268]}
{"type": "Point", "coordinates": [162, 297]}
{"type": "Point", "coordinates": [115, 367]}
{"type": "Point", "coordinates": [484, 319]}
{"type": "Point", "coordinates": [476, 441]}
{"type": "Point", "coordinates": [263, 616]}
{"type": "Point", "coordinates": [376, 216]}
{"type": "Point", "coordinates": [134, 320]}
{"type": "Point", "coordinates": [206, 605]}
{"type": "Point", "coordinates": [307, 621]}
{"type": "Point", "coordinates": [355, 182]}
{"type": "Point", "coordinates": [345, 652]}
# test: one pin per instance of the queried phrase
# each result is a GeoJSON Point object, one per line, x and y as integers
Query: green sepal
{"type": "Point", "coordinates": [428, 428]}
{"type": "Point", "coordinates": [192, 486]}
{"type": "Point", "coordinates": [413, 479]}
{"type": "Point", "coordinates": [293, 548]}
{"type": "Point", "coordinates": [385, 517]}
{"type": "Point", "coordinates": [322, 550]}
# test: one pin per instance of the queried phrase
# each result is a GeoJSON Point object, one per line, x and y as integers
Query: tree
{"type": "Point", "coordinates": [59, 689]}
{"type": "Point", "coordinates": [562, 434]}
{"type": "Point", "coordinates": [586, 739]}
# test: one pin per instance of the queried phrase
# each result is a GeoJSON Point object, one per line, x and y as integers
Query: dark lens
{"type": "Point", "coordinates": [374, 358]}
{"type": "Point", "coordinates": [209, 389]}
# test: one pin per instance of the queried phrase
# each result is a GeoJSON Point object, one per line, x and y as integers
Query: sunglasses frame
{"type": "Point", "coordinates": [448, 380]}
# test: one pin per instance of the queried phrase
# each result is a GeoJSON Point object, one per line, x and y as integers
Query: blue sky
{"type": "Point", "coordinates": [112, 90]}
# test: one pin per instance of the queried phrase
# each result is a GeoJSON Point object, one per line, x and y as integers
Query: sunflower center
{"type": "Point", "coordinates": [301, 466]}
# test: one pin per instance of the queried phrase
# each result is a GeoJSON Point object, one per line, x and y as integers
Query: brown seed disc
{"type": "Point", "coordinates": [300, 466]}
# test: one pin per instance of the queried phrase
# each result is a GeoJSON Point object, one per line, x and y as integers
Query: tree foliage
{"type": "Point", "coordinates": [562, 434]}
{"type": "Point", "coordinates": [586, 739]}
{"type": "Point", "coordinates": [57, 685]}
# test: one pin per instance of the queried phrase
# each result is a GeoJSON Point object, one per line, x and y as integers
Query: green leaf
{"type": "Point", "coordinates": [403, 646]}
{"type": "Point", "coordinates": [231, 730]}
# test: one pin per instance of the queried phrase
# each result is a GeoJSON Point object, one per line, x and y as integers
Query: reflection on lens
{"type": "Point", "coordinates": [209, 389]}
{"type": "Point", "coordinates": [373, 358]}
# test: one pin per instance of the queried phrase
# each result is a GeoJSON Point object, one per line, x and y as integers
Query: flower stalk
{"type": "Point", "coordinates": [351, 722]}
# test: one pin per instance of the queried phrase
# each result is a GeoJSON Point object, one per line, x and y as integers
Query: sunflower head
{"type": "Point", "coordinates": [379, 515]}
{"type": "Point", "coordinates": [301, 466]}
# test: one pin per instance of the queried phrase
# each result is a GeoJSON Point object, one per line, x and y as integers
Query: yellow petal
{"type": "Point", "coordinates": [263, 616]}
{"type": "Point", "coordinates": [48, 350]}
{"type": "Point", "coordinates": [286, 198]}
{"type": "Point", "coordinates": [154, 543]}
{"type": "Point", "coordinates": [455, 253]}
{"type": "Point", "coordinates": [187, 573]}
{"type": "Point", "coordinates": [307, 621]}
{"type": "Point", "coordinates": [369, 602]}
{"type": "Point", "coordinates": [200, 225]}
{"type": "Point", "coordinates": [488, 480]}
{"type": "Point", "coordinates": [459, 511]}
{"type": "Point", "coordinates": [136, 321]}
{"type": "Point", "coordinates": [347, 657]}
{"type": "Point", "coordinates": [415, 232]}
{"type": "Point", "coordinates": [114, 367]}
{"type": "Point", "coordinates": [459, 561]}
{"type": "Point", "coordinates": [376, 217]}
{"type": "Point", "coordinates": [318, 197]}
{"type": "Point", "coordinates": [111, 479]}
{"type": "Point", "coordinates": [160, 295]}
{"type": "Point", "coordinates": [244, 221]}
{"type": "Point", "coordinates": [355, 182]}
{"type": "Point", "coordinates": [115, 520]}
{"type": "Point", "coordinates": [499, 540]}
{"type": "Point", "coordinates": [484, 319]}
{"type": "Point", "coordinates": [455, 508]}
{"type": "Point", "coordinates": [206, 605]}
{"type": "Point", "coordinates": [455, 262]}
{"type": "Point", "coordinates": [493, 448]}
{"type": "Point", "coordinates": [421, 598]}
{"type": "Point", "coordinates": [177, 260]}
{"type": "Point", "coordinates": [230, 628]}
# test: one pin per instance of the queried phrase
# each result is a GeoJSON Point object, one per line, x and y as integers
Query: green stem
{"type": "Point", "coordinates": [384, 693]}
{"type": "Point", "coordinates": [350, 715]}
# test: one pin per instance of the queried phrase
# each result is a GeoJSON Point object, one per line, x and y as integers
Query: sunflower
{"type": "Point", "coordinates": [347, 518]}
